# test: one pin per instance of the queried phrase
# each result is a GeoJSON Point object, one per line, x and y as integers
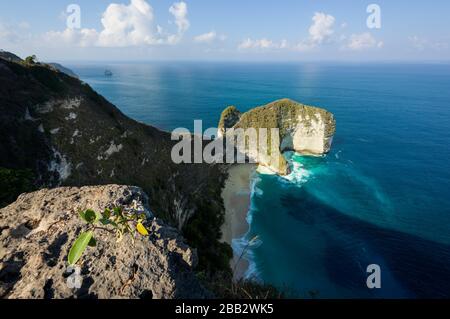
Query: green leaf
{"type": "Point", "coordinates": [117, 211]}
{"type": "Point", "coordinates": [90, 216]}
{"type": "Point", "coordinates": [92, 242]}
{"type": "Point", "coordinates": [82, 215]}
{"type": "Point", "coordinates": [79, 246]}
{"type": "Point", "coordinates": [107, 213]}
{"type": "Point", "coordinates": [106, 222]}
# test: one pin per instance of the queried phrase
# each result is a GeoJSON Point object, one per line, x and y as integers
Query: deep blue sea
{"type": "Point", "coordinates": [382, 196]}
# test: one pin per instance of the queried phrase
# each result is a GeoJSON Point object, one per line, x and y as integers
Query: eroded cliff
{"type": "Point", "coordinates": [304, 129]}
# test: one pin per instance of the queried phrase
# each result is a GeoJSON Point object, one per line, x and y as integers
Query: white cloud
{"type": "Point", "coordinates": [8, 34]}
{"type": "Point", "coordinates": [14, 33]}
{"type": "Point", "coordinates": [206, 37]}
{"type": "Point", "coordinates": [284, 44]}
{"type": "Point", "coordinates": [127, 25]}
{"type": "Point", "coordinates": [320, 32]}
{"type": "Point", "coordinates": [246, 44]}
{"type": "Point", "coordinates": [422, 44]}
{"type": "Point", "coordinates": [262, 44]}
{"type": "Point", "coordinates": [304, 46]}
{"type": "Point", "coordinates": [441, 45]}
{"type": "Point", "coordinates": [83, 37]}
{"type": "Point", "coordinates": [179, 11]}
{"type": "Point", "coordinates": [322, 27]}
{"type": "Point", "coordinates": [358, 42]}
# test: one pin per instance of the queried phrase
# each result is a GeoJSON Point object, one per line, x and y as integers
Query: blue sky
{"type": "Point", "coordinates": [299, 30]}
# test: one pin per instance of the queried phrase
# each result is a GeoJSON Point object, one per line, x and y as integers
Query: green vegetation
{"type": "Point", "coordinates": [30, 60]}
{"type": "Point", "coordinates": [203, 231]}
{"type": "Point", "coordinates": [116, 222]}
{"type": "Point", "coordinates": [248, 289]}
{"type": "Point", "coordinates": [45, 75]}
{"type": "Point", "coordinates": [284, 114]}
{"type": "Point", "coordinates": [224, 287]}
{"type": "Point", "coordinates": [230, 116]}
{"type": "Point", "coordinates": [14, 182]}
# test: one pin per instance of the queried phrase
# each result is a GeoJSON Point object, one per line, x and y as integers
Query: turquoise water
{"type": "Point", "coordinates": [380, 197]}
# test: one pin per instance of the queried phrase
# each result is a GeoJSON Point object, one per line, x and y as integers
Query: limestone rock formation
{"type": "Point", "coordinates": [229, 117]}
{"type": "Point", "coordinates": [305, 129]}
{"type": "Point", "coordinates": [37, 231]}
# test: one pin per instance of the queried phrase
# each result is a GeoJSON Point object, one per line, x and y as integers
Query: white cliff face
{"type": "Point", "coordinates": [309, 136]}
{"type": "Point", "coordinates": [61, 165]}
{"type": "Point", "coordinates": [51, 105]}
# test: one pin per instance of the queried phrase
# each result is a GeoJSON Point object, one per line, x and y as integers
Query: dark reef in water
{"type": "Point", "coordinates": [419, 267]}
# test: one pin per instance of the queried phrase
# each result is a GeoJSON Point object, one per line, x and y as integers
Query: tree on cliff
{"type": "Point", "coordinates": [30, 59]}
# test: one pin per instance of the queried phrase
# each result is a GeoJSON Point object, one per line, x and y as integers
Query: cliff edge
{"type": "Point", "coordinates": [37, 231]}
{"type": "Point", "coordinates": [55, 130]}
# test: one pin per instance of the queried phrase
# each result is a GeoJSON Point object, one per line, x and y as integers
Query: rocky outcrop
{"type": "Point", "coordinates": [304, 129]}
{"type": "Point", "coordinates": [37, 230]}
{"type": "Point", "coordinates": [9, 56]}
{"type": "Point", "coordinates": [229, 117]}
{"type": "Point", "coordinates": [65, 134]}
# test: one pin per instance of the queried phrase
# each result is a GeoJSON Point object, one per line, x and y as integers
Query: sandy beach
{"type": "Point", "coordinates": [236, 196]}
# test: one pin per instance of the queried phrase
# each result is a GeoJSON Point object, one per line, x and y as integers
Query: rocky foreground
{"type": "Point", "coordinates": [37, 231]}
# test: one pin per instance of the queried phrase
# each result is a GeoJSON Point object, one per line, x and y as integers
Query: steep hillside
{"type": "Point", "coordinates": [65, 134]}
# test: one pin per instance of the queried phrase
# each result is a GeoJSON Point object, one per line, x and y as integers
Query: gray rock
{"type": "Point", "coordinates": [37, 231]}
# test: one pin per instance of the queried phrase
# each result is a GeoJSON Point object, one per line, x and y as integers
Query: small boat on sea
{"type": "Point", "coordinates": [108, 73]}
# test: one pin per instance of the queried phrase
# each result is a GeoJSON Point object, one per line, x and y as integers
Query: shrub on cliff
{"type": "Point", "coordinates": [30, 60]}
{"type": "Point", "coordinates": [116, 221]}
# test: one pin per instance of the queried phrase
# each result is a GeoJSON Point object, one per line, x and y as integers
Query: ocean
{"type": "Point", "coordinates": [382, 195]}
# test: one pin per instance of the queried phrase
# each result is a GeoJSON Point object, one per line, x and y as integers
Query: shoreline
{"type": "Point", "coordinates": [236, 196]}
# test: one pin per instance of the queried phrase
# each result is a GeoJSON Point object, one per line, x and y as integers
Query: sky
{"type": "Point", "coordinates": [227, 30]}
